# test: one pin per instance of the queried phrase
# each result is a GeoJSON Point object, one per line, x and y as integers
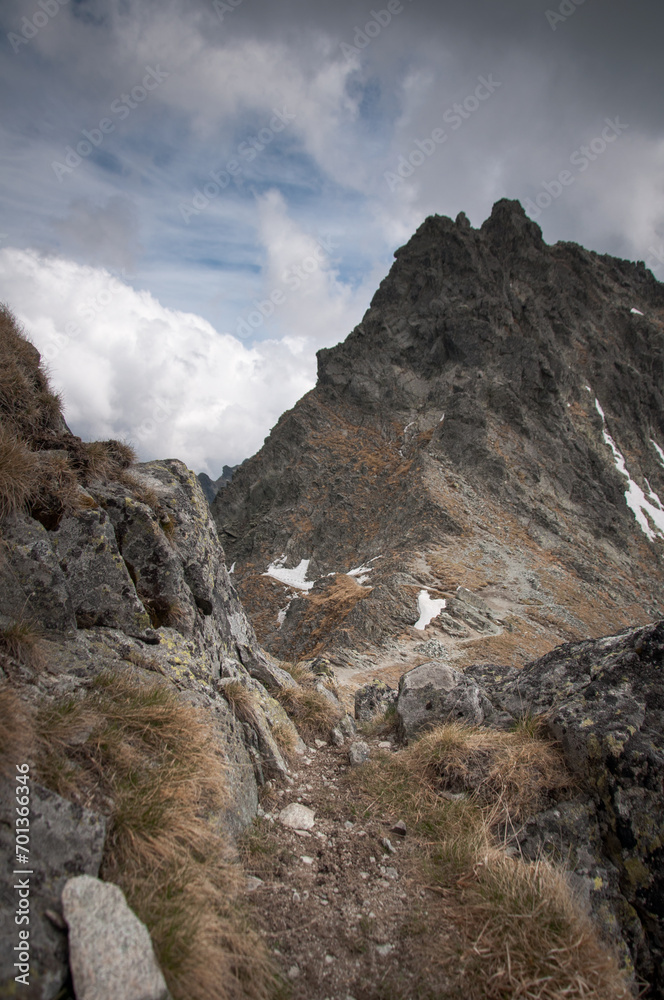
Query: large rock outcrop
{"type": "Point", "coordinates": [496, 423]}
{"type": "Point", "coordinates": [109, 566]}
{"type": "Point", "coordinates": [603, 703]}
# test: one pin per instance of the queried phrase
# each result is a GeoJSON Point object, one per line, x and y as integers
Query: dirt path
{"type": "Point", "coordinates": [337, 904]}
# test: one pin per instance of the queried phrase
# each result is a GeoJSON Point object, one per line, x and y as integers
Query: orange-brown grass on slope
{"type": "Point", "coordinates": [509, 771]}
{"type": "Point", "coordinates": [22, 641]}
{"type": "Point", "coordinates": [241, 700]}
{"type": "Point", "coordinates": [27, 403]}
{"type": "Point", "coordinates": [137, 752]}
{"type": "Point", "coordinates": [19, 472]}
{"type": "Point", "coordinates": [519, 932]}
{"type": "Point", "coordinates": [311, 711]}
{"type": "Point", "coordinates": [16, 732]}
{"type": "Point", "coordinates": [285, 737]}
{"type": "Point", "coordinates": [58, 491]}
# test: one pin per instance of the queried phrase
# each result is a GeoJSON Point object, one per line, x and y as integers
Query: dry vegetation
{"type": "Point", "coordinates": [520, 932]}
{"type": "Point", "coordinates": [241, 700]}
{"type": "Point", "coordinates": [16, 731]}
{"type": "Point", "coordinates": [311, 711]}
{"type": "Point", "coordinates": [135, 752]}
{"type": "Point", "coordinates": [44, 468]}
{"type": "Point", "coordinates": [22, 641]}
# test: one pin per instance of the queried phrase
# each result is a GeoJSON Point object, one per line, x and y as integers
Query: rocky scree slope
{"type": "Point", "coordinates": [108, 568]}
{"type": "Point", "coordinates": [495, 424]}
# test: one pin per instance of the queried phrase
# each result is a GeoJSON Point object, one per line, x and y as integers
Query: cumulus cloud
{"type": "Point", "coordinates": [166, 380]}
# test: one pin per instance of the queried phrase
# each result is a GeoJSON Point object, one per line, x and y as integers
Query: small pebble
{"type": "Point", "coordinates": [306, 860]}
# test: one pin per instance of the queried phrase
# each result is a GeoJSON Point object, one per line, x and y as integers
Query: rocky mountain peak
{"type": "Point", "coordinates": [498, 412]}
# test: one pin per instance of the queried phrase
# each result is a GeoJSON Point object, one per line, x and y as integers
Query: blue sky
{"type": "Point", "coordinates": [195, 198]}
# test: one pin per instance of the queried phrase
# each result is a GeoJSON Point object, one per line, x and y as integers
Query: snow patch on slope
{"type": "Point", "coordinates": [635, 498]}
{"type": "Point", "coordinates": [429, 608]}
{"type": "Point", "coordinates": [295, 577]}
{"type": "Point", "coordinates": [658, 450]}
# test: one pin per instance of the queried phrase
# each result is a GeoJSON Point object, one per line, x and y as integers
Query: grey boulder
{"type": "Point", "coordinates": [434, 693]}
{"type": "Point", "coordinates": [110, 951]}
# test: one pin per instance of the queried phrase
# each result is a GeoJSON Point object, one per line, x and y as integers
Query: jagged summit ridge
{"type": "Point", "coordinates": [461, 432]}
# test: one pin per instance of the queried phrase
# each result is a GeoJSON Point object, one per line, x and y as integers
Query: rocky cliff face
{"type": "Point", "coordinates": [108, 569]}
{"type": "Point", "coordinates": [496, 424]}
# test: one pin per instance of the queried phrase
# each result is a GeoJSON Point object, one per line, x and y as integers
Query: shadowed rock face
{"type": "Point", "coordinates": [455, 435]}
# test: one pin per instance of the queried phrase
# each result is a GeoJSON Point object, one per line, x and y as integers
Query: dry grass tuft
{"type": "Point", "coordinates": [164, 611]}
{"type": "Point", "coordinates": [58, 490]}
{"type": "Point", "coordinates": [106, 459]}
{"type": "Point", "coordinates": [286, 739]}
{"type": "Point", "coordinates": [19, 472]}
{"type": "Point", "coordinates": [16, 731]}
{"type": "Point", "coordinates": [298, 671]}
{"type": "Point", "coordinates": [519, 930]}
{"type": "Point", "coordinates": [382, 724]}
{"type": "Point", "coordinates": [514, 769]}
{"type": "Point", "coordinates": [136, 750]}
{"type": "Point", "coordinates": [27, 404]}
{"type": "Point", "coordinates": [241, 700]}
{"type": "Point", "coordinates": [309, 709]}
{"type": "Point", "coordinates": [22, 641]}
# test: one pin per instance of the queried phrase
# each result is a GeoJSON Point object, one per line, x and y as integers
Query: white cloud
{"type": "Point", "coordinates": [167, 380]}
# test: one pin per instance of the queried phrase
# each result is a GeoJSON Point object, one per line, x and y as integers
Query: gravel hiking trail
{"type": "Point", "coordinates": [338, 903]}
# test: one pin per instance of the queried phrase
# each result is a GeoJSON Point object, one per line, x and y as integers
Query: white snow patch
{"type": "Point", "coordinates": [429, 608]}
{"type": "Point", "coordinates": [295, 577]}
{"type": "Point", "coordinates": [658, 450]}
{"type": "Point", "coordinates": [635, 498]}
{"type": "Point", "coordinates": [281, 617]}
{"type": "Point", "coordinates": [408, 426]}
{"type": "Point", "coordinates": [361, 572]}
{"type": "Point", "coordinates": [637, 311]}
{"type": "Point", "coordinates": [232, 569]}
{"type": "Point", "coordinates": [441, 419]}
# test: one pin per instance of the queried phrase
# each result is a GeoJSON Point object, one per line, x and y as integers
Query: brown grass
{"type": "Point", "coordinates": [22, 641]}
{"type": "Point", "coordinates": [164, 611]}
{"type": "Point", "coordinates": [286, 739]}
{"type": "Point", "coordinates": [107, 459]}
{"type": "Point", "coordinates": [241, 700]}
{"type": "Point", "coordinates": [309, 709]}
{"type": "Point", "coordinates": [513, 769]}
{"type": "Point", "coordinates": [58, 490]}
{"type": "Point", "coordinates": [518, 931]}
{"type": "Point", "coordinates": [16, 731]}
{"type": "Point", "coordinates": [28, 406]}
{"type": "Point", "coordinates": [136, 749]}
{"type": "Point", "coordinates": [19, 472]}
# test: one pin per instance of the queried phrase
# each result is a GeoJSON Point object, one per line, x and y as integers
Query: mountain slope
{"type": "Point", "coordinates": [486, 426]}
